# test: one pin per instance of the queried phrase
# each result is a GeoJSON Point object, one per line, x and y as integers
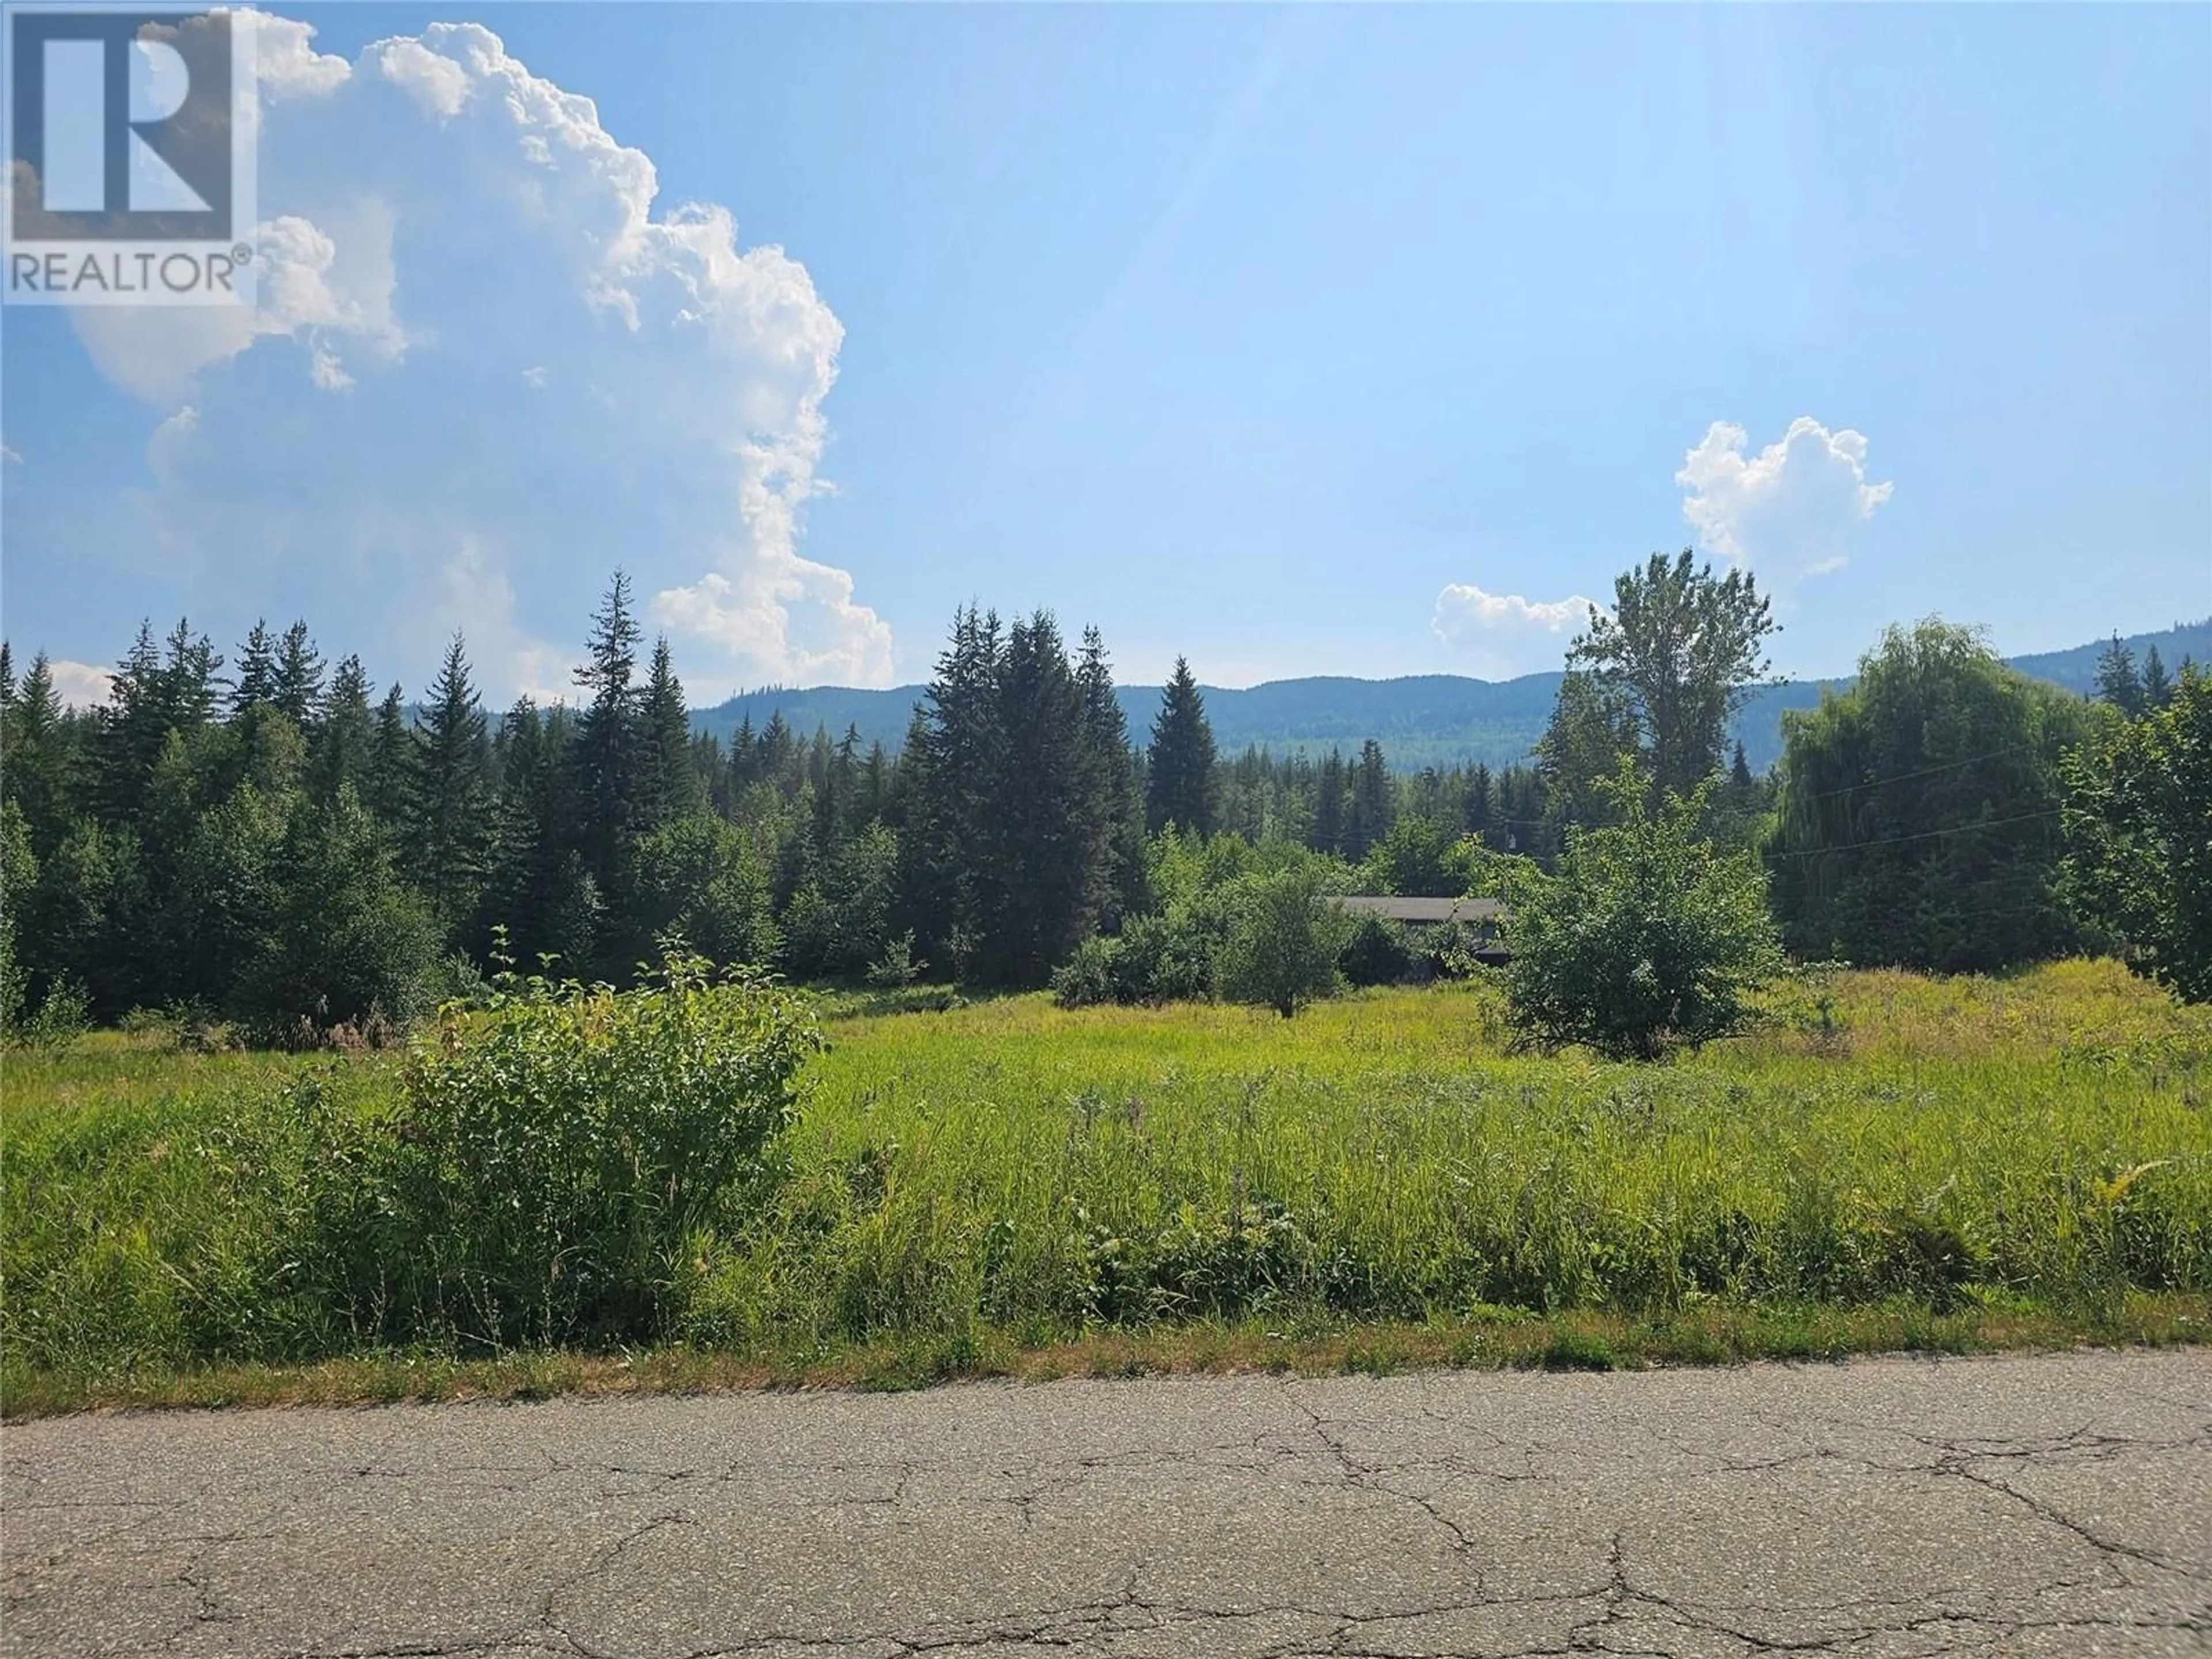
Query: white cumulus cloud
{"type": "Point", "coordinates": [1792, 508]}
{"type": "Point", "coordinates": [488, 365]}
{"type": "Point", "coordinates": [1501, 634]}
{"type": "Point", "coordinates": [81, 685]}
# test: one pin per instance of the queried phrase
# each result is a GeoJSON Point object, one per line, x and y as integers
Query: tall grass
{"type": "Point", "coordinates": [2042, 1140]}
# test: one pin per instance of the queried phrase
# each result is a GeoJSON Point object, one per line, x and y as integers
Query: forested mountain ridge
{"type": "Point", "coordinates": [1420, 719]}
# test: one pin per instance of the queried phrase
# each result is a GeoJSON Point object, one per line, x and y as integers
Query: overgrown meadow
{"type": "Point", "coordinates": [1011, 1171]}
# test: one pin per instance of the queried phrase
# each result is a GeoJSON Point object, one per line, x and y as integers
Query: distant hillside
{"type": "Point", "coordinates": [1422, 719]}
{"type": "Point", "coordinates": [2076, 669]}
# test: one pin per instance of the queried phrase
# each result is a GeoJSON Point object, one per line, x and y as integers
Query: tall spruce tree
{"type": "Point", "coordinates": [1121, 794]}
{"type": "Point", "coordinates": [610, 753]}
{"type": "Point", "coordinates": [450, 815]}
{"type": "Point", "coordinates": [2157, 684]}
{"type": "Point", "coordinates": [155, 693]}
{"type": "Point", "coordinates": [1055, 875]}
{"type": "Point", "coordinates": [340, 753]}
{"type": "Point", "coordinates": [671, 787]}
{"type": "Point", "coordinates": [1179, 773]}
{"type": "Point", "coordinates": [255, 685]}
{"type": "Point", "coordinates": [2118, 681]}
{"type": "Point", "coordinates": [1332, 803]}
{"type": "Point", "coordinates": [391, 759]}
{"type": "Point", "coordinates": [958, 747]}
{"type": "Point", "coordinates": [38, 759]}
{"type": "Point", "coordinates": [297, 686]}
{"type": "Point", "coordinates": [1371, 802]}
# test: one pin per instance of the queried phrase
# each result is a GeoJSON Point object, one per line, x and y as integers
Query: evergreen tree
{"type": "Point", "coordinates": [154, 693]}
{"type": "Point", "coordinates": [256, 686]}
{"type": "Point", "coordinates": [131, 732]}
{"type": "Point", "coordinates": [391, 760]}
{"type": "Point", "coordinates": [38, 759]}
{"type": "Point", "coordinates": [297, 686]}
{"type": "Point", "coordinates": [2157, 684]}
{"type": "Point", "coordinates": [528, 837]}
{"type": "Point", "coordinates": [610, 754]}
{"type": "Point", "coordinates": [341, 752]}
{"type": "Point", "coordinates": [1121, 800]}
{"type": "Point", "coordinates": [1371, 814]}
{"type": "Point", "coordinates": [449, 819]}
{"type": "Point", "coordinates": [1055, 874]}
{"type": "Point", "coordinates": [346, 937]}
{"type": "Point", "coordinates": [1179, 773]}
{"type": "Point", "coordinates": [2118, 682]}
{"type": "Point", "coordinates": [1332, 805]}
{"type": "Point", "coordinates": [670, 787]}
{"type": "Point", "coordinates": [958, 750]}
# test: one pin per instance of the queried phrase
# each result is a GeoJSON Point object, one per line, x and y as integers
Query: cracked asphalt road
{"type": "Point", "coordinates": [2057, 1504]}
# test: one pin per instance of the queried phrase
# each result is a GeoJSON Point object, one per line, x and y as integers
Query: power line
{"type": "Point", "coordinates": [1922, 772]}
{"type": "Point", "coordinates": [1921, 835]}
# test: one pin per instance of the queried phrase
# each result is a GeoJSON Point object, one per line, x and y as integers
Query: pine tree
{"type": "Point", "coordinates": [342, 751]}
{"type": "Point", "coordinates": [1180, 776]}
{"type": "Point", "coordinates": [1370, 814]}
{"type": "Point", "coordinates": [609, 754]}
{"type": "Point", "coordinates": [775, 754]}
{"type": "Point", "coordinates": [129, 733]}
{"type": "Point", "coordinates": [256, 685]}
{"type": "Point", "coordinates": [188, 681]}
{"type": "Point", "coordinates": [2157, 684]}
{"type": "Point", "coordinates": [38, 759]}
{"type": "Point", "coordinates": [1331, 804]}
{"type": "Point", "coordinates": [671, 787]}
{"type": "Point", "coordinates": [2118, 682]}
{"type": "Point", "coordinates": [1054, 875]}
{"type": "Point", "coordinates": [449, 820]}
{"type": "Point", "coordinates": [297, 685]}
{"type": "Point", "coordinates": [532, 821]}
{"type": "Point", "coordinates": [1122, 794]}
{"type": "Point", "coordinates": [957, 752]}
{"type": "Point", "coordinates": [154, 693]}
{"type": "Point", "coordinates": [391, 760]}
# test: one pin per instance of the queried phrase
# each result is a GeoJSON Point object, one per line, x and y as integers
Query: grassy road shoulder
{"type": "Point", "coordinates": [1005, 1188]}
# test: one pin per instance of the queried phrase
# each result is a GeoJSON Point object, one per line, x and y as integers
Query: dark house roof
{"type": "Point", "coordinates": [1421, 912]}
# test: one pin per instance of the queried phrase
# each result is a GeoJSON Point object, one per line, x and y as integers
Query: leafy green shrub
{"type": "Point", "coordinates": [63, 1015]}
{"type": "Point", "coordinates": [2138, 822]}
{"type": "Point", "coordinates": [897, 966]}
{"type": "Point", "coordinates": [1379, 951]}
{"type": "Point", "coordinates": [564, 1152]}
{"type": "Point", "coordinates": [1285, 941]}
{"type": "Point", "coordinates": [1647, 939]}
{"type": "Point", "coordinates": [1088, 978]}
{"type": "Point", "coordinates": [1171, 956]}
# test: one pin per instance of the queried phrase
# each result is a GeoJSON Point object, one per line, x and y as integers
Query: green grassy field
{"type": "Point", "coordinates": [1889, 1159]}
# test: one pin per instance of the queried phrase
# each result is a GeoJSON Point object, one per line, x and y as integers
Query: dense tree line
{"type": "Point", "coordinates": [274, 839]}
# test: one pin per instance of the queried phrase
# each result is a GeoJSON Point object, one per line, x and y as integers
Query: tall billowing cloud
{"type": "Point", "coordinates": [488, 367]}
{"type": "Point", "coordinates": [1792, 508]}
{"type": "Point", "coordinates": [1501, 635]}
{"type": "Point", "coordinates": [81, 685]}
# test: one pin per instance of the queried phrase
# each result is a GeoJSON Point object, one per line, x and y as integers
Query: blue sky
{"type": "Point", "coordinates": [1362, 341]}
